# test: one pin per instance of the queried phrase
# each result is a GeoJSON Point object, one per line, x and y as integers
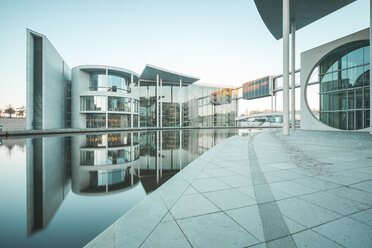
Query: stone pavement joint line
{"type": "Point", "coordinates": [273, 224]}
{"type": "Point", "coordinates": [309, 189]}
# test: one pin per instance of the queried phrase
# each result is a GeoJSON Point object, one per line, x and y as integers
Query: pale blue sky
{"type": "Point", "coordinates": [220, 41]}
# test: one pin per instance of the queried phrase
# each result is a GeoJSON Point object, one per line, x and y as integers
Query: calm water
{"type": "Point", "coordinates": [63, 191]}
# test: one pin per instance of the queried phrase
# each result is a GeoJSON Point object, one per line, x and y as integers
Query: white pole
{"type": "Point", "coordinates": [180, 102]}
{"type": "Point", "coordinates": [180, 158]}
{"type": "Point", "coordinates": [370, 67]}
{"type": "Point", "coordinates": [161, 102]}
{"type": "Point", "coordinates": [161, 154]}
{"type": "Point", "coordinates": [293, 73]}
{"type": "Point", "coordinates": [157, 100]}
{"type": "Point", "coordinates": [157, 156]}
{"type": "Point", "coordinates": [272, 93]}
{"type": "Point", "coordinates": [285, 67]}
{"type": "Point", "coordinates": [139, 103]}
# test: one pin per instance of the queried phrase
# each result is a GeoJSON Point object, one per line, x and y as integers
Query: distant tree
{"type": "Point", "coordinates": [21, 111]}
{"type": "Point", "coordinates": [1, 111]}
{"type": "Point", "coordinates": [9, 110]}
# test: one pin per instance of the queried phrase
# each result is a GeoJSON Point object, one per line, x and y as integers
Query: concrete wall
{"type": "Point", "coordinates": [55, 76]}
{"type": "Point", "coordinates": [310, 59]}
{"type": "Point", "coordinates": [80, 84]}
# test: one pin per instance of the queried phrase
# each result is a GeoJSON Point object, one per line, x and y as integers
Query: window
{"type": "Point", "coordinates": [93, 103]}
{"type": "Point", "coordinates": [343, 89]}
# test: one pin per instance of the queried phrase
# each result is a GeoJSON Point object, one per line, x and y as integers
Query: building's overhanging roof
{"type": "Point", "coordinates": [148, 75]}
{"type": "Point", "coordinates": [111, 69]}
{"type": "Point", "coordinates": [303, 11]}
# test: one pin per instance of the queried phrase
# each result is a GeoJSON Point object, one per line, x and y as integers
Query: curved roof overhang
{"type": "Point", "coordinates": [148, 75]}
{"type": "Point", "coordinates": [111, 69]}
{"type": "Point", "coordinates": [304, 12]}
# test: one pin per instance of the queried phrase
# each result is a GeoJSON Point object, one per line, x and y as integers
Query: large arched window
{"type": "Point", "coordinates": [337, 90]}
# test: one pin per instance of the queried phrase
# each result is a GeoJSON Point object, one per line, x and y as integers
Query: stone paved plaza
{"type": "Point", "coordinates": [309, 189]}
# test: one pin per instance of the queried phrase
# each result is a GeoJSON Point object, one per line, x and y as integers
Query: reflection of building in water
{"type": "Point", "coordinates": [164, 153]}
{"type": "Point", "coordinates": [99, 164]}
{"type": "Point", "coordinates": [48, 179]}
{"type": "Point", "coordinates": [103, 163]}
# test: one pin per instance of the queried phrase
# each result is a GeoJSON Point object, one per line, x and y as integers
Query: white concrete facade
{"type": "Point", "coordinates": [53, 75]}
{"type": "Point", "coordinates": [309, 60]}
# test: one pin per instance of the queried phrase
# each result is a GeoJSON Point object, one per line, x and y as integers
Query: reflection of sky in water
{"type": "Point", "coordinates": [73, 219]}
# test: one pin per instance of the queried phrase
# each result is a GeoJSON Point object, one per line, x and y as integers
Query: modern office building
{"type": "Point", "coordinates": [338, 72]}
{"type": "Point", "coordinates": [97, 96]}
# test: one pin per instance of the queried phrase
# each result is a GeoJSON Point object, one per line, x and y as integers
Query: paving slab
{"type": "Point", "coordinates": [347, 232]}
{"type": "Point", "coordinates": [208, 231]}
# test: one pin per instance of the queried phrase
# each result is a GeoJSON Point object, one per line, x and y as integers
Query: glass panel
{"type": "Point", "coordinates": [367, 98]}
{"type": "Point", "coordinates": [119, 104]}
{"type": "Point", "coordinates": [93, 103]}
{"type": "Point", "coordinates": [366, 118]}
{"type": "Point", "coordinates": [98, 82]}
{"type": "Point", "coordinates": [355, 76]}
{"type": "Point", "coordinates": [118, 121]}
{"type": "Point", "coordinates": [351, 125]}
{"type": "Point", "coordinates": [95, 120]}
{"type": "Point", "coordinates": [97, 157]}
{"type": "Point", "coordinates": [366, 55]}
{"type": "Point", "coordinates": [366, 75]}
{"type": "Point", "coordinates": [351, 100]}
{"type": "Point", "coordinates": [359, 120]}
{"type": "Point", "coordinates": [355, 58]}
{"type": "Point", "coordinates": [118, 156]}
{"type": "Point", "coordinates": [116, 83]}
{"type": "Point", "coordinates": [326, 82]}
{"type": "Point", "coordinates": [359, 98]}
{"type": "Point", "coordinates": [339, 101]}
{"type": "Point", "coordinates": [325, 102]}
{"type": "Point", "coordinates": [95, 141]}
{"type": "Point", "coordinates": [122, 139]}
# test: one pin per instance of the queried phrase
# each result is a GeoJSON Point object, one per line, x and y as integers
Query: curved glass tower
{"type": "Point", "coordinates": [102, 97]}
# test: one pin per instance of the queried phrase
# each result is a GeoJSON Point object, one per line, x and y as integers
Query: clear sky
{"type": "Point", "coordinates": [220, 41]}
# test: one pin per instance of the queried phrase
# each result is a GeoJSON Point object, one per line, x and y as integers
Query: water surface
{"type": "Point", "coordinates": [62, 191]}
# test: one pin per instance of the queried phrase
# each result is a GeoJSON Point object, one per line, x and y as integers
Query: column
{"type": "Point", "coordinates": [161, 102]}
{"type": "Point", "coordinates": [161, 154]}
{"type": "Point", "coordinates": [180, 102]}
{"type": "Point", "coordinates": [157, 100]}
{"type": "Point", "coordinates": [107, 112]}
{"type": "Point", "coordinates": [180, 155]}
{"type": "Point", "coordinates": [139, 103]}
{"type": "Point", "coordinates": [285, 67]}
{"type": "Point", "coordinates": [131, 81]}
{"type": "Point", "coordinates": [272, 93]}
{"type": "Point", "coordinates": [157, 156]}
{"type": "Point", "coordinates": [293, 73]}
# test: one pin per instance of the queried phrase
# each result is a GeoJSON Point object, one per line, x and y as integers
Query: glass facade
{"type": "Point", "coordinates": [93, 103]}
{"type": "Point", "coordinates": [95, 120]}
{"type": "Point", "coordinates": [118, 121]}
{"type": "Point", "coordinates": [112, 82]}
{"type": "Point", "coordinates": [343, 87]}
{"type": "Point", "coordinates": [200, 106]}
{"type": "Point", "coordinates": [119, 104]}
{"type": "Point", "coordinates": [257, 88]}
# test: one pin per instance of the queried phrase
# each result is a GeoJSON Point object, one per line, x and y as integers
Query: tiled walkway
{"type": "Point", "coordinates": [310, 189]}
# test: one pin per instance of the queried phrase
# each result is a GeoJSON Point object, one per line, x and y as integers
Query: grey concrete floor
{"type": "Point", "coordinates": [309, 189]}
